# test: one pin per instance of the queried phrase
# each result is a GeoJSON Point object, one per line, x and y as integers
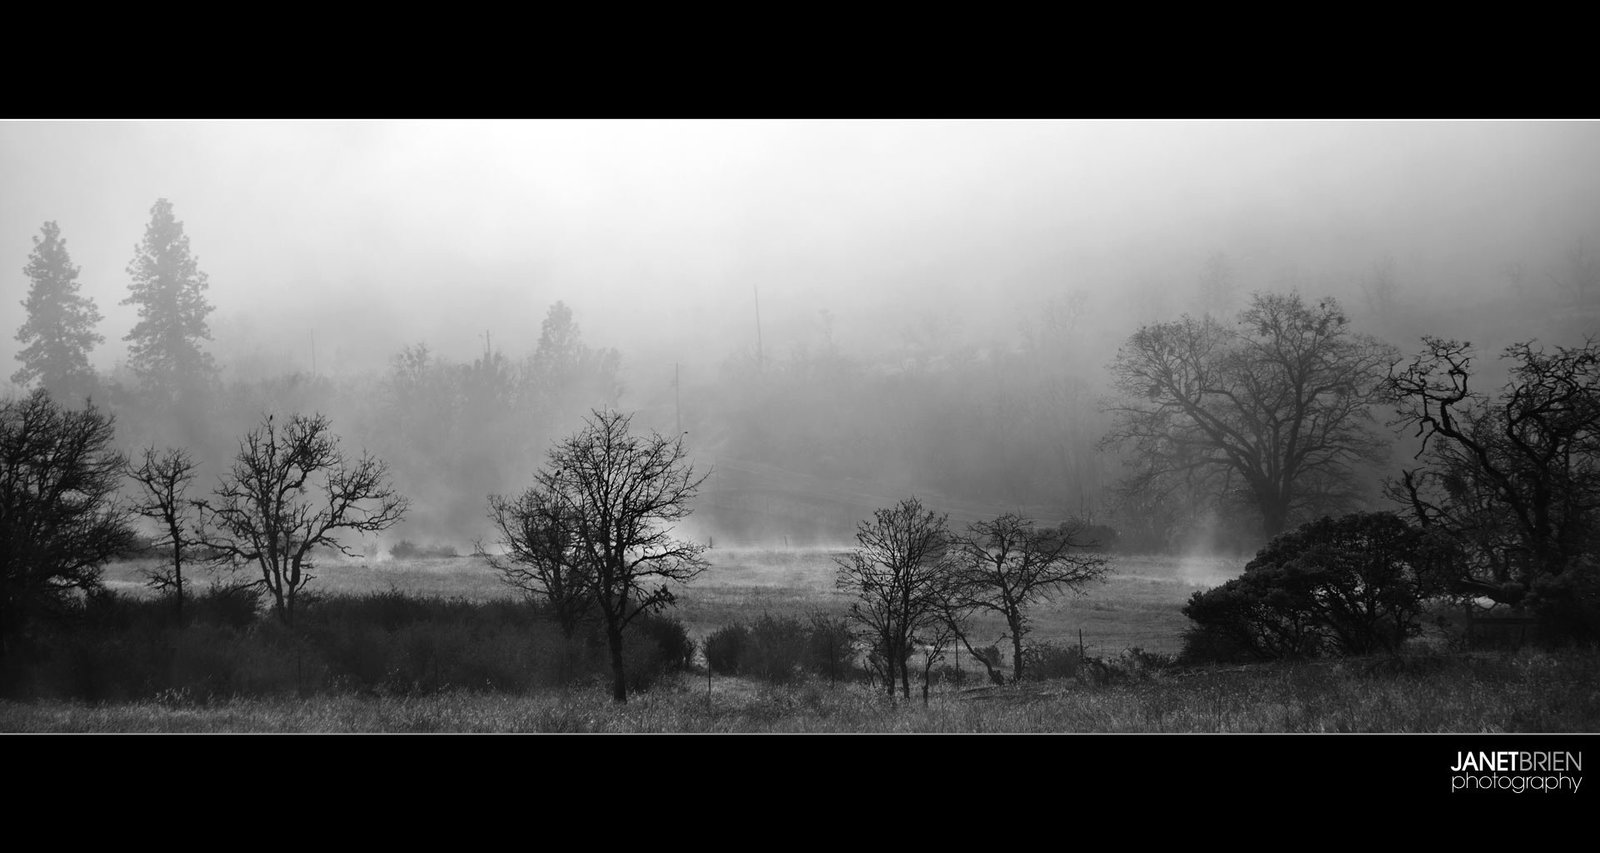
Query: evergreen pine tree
{"type": "Point", "coordinates": [59, 331]}
{"type": "Point", "coordinates": [169, 289]}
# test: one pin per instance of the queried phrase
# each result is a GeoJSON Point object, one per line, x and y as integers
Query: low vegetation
{"type": "Point", "coordinates": [1529, 691]}
{"type": "Point", "coordinates": [464, 656]}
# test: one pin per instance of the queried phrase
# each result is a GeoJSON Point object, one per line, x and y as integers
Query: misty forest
{"type": "Point", "coordinates": [749, 425]}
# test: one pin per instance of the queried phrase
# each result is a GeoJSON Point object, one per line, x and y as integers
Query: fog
{"type": "Point", "coordinates": [331, 245]}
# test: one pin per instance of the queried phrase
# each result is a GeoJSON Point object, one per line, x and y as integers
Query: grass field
{"type": "Point", "coordinates": [1138, 607]}
{"type": "Point", "coordinates": [1432, 689]}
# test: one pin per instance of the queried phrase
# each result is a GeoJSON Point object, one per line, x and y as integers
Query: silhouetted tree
{"type": "Point", "coordinates": [542, 557]}
{"type": "Point", "coordinates": [1275, 407]}
{"type": "Point", "coordinates": [619, 495]}
{"type": "Point", "coordinates": [899, 578]}
{"type": "Point", "coordinates": [59, 331]}
{"type": "Point", "coordinates": [290, 492]}
{"type": "Point", "coordinates": [1513, 478]}
{"type": "Point", "coordinates": [59, 520]}
{"type": "Point", "coordinates": [1007, 565]}
{"type": "Point", "coordinates": [169, 290]}
{"type": "Point", "coordinates": [164, 479]}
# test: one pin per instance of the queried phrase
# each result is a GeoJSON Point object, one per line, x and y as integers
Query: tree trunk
{"type": "Point", "coordinates": [1016, 651]}
{"type": "Point", "coordinates": [1274, 516]}
{"type": "Point", "coordinates": [177, 574]}
{"type": "Point", "coordinates": [889, 653]}
{"type": "Point", "coordinates": [619, 682]}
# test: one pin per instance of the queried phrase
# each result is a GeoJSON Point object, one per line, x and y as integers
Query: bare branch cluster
{"type": "Point", "coordinates": [290, 492]}
{"type": "Point", "coordinates": [1007, 565]}
{"type": "Point", "coordinates": [1514, 477]}
{"type": "Point", "coordinates": [541, 556]}
{"type": "Point", "coordinates": [900, 577]}
{"type": "Point", "coordinates": [164, 479]}
{"type": "Point", "coordinates": [1276, 406]}
{"type": "Point", "coordinates": [595, 532]}
{"type": "Point", "coordinates": [59, 517]}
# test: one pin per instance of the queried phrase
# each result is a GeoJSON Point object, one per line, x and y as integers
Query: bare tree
{"type": "Point", "coordinates": [1276, 406]}
{"type": "Point", "coordinates": [1514, 478]}
{"type": "Point", "coordinates": [1007, 565]}
{"type": "Point", "coordinates": [289, 493]}
{"type": "Point", "coordinates": [617, 496]}
{"type": "Point", "coordinates": [900, 579]}
{"type": "Point", "coordinates": [164, 479]}
{"type": "Point", "coordinates": [542, 557]}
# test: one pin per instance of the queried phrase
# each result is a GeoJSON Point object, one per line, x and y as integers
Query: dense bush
{"type": "Point", "coordinates": [784, 649]}
{"type": "Point", "coordinates": [724, 648]}
{"type": "Point", "coordinates": [1352, 585]}
{"type": "Point", "coordinates": [1567, 606]}
{"type": "Point", "coordinates": [228, 605]}
{"type": "Point", "coordinates": [671, 647]}
{"type": "Point", "coordinates": [831, 651]}
{"type": "Point", "coordinates": [778, 649]}
{"type": "Point", "coordinates": [120, 648]}
{"type": "Point", "coordinates": [1044, 661]}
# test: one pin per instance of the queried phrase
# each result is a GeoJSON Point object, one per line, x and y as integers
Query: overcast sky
{"type": "Point", "coordinates": [372, 234]}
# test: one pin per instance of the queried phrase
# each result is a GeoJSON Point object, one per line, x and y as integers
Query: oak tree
{"type": "Point", "coordinates": [1275, 406]}
{"type": "Point", "coordinates": [1513, 477]}
{"type": "Point", "coordinates": [540, 555]}
{"type": "Point", "coordinates": [899, 577]}
{"type": "Point", "coordinates": [1007, 565]}
{"type": "Point", "coordinates": [290, 492]}
{"type": "Point", "coordinates": [617, 495]}
{"type": "Point", "coordinates": [60, 521]}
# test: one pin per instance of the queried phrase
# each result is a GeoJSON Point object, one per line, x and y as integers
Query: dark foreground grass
{"type": "Point", "coordinates": [1525, 691]}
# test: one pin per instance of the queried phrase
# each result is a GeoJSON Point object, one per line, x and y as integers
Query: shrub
{"type": "Point", "coordinates": [1352, 585]}
{"type": "Point", "coordinates": [831, 651]}
{"type": "Point", "coordinates": [673, 647]}
{"type": "Point", "coordinates": [229, 605]}
{"type": "Point", "coordinates": [724, 648]}
{"type": "Point", "coordinates": [1567, 606]}
{"type": "Point", "coordinates": [783, 649]}
{"type": "Point", "coordinates": [1045, 661]}
{"type": "Point", "coordinates": [405, 549]}
{"type": "Point", "coordinates": [777, 650]}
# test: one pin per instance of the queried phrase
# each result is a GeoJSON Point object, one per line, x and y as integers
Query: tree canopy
{"type": "Point", "coordinates": [899, 580]}
{"type": "Point", "coordinates": [613, 497]}
{"type": "Point", "coordinates": [290, 492]}
{"type": "Point", "coordinates": [1274, 408]}
{"type": "Point", "coordinates": [59, 518]}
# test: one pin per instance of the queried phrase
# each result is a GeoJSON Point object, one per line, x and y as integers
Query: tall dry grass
{"type": "Point", "coordinates": [1528, 691]}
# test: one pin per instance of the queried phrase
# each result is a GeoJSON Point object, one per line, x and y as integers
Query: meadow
{"type": "Point", "coordinates": [1133, 621]}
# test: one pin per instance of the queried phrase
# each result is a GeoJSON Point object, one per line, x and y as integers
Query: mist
{"type": "Point", "coordinates": [837, 312]}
